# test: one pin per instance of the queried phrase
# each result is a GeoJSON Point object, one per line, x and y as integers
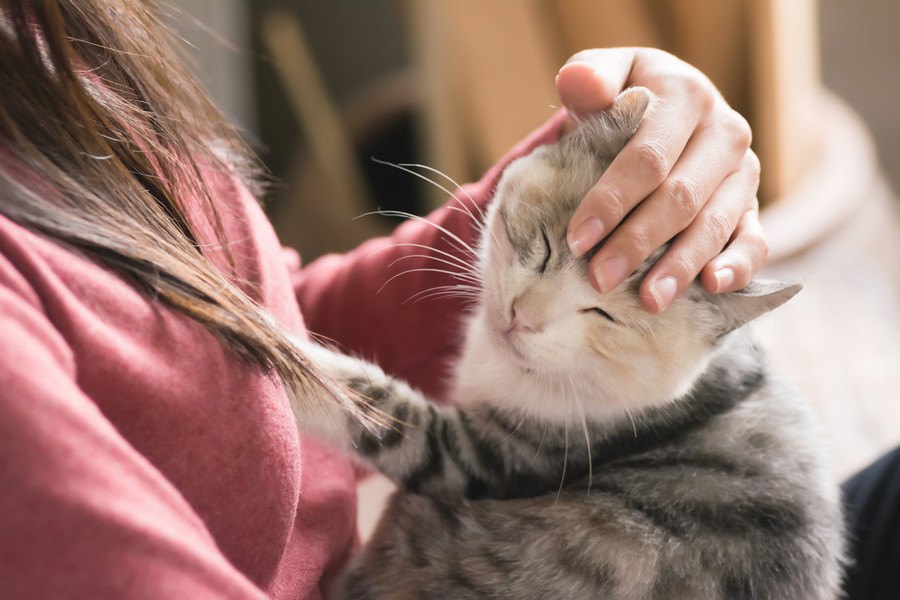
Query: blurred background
{"type": "Point", "coordinates": [320, 86]}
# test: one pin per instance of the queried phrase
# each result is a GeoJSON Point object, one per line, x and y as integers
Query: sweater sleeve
{"type": "Point", "coordinates": [82, 513]}
{"type": "Point", "coordinates": [361, 301]}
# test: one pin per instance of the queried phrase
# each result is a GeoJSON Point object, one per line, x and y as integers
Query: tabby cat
{"type": "Point", "coordinates": [593, 450]}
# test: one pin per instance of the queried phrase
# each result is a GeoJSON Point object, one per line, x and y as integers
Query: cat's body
{"type": "Point", "coordinates": [593, 450]}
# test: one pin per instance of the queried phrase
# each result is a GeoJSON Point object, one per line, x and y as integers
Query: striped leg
{"type": "Point", "coordinates": [422, 447]}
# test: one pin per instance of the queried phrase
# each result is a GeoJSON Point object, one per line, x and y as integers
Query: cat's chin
{"type": "Point", "coordinates": [510, 373]}
{"type": "Point", "coordinates": [507, 346]}
{"type": "Point", "coordinates": [524, 359]}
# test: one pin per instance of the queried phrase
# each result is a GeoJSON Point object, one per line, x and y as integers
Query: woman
{"type": "Point", "coordinates": [147, 447]}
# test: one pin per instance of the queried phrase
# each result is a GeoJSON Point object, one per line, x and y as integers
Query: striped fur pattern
{"type": "Point", "coordinates": [598, 451]}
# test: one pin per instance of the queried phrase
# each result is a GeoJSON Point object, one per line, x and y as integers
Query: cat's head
{"type": "Point", "coordinates": [540, 315]}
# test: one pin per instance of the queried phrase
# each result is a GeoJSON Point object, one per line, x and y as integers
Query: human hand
{"type": "Point", "coordinates": [688, 175]}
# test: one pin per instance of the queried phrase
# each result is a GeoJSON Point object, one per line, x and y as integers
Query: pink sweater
{"type": "Point", "coordinates": [139, 458]}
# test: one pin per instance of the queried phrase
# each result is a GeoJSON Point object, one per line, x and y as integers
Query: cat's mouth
{"type": "Point", "coordinates": [509, 339]}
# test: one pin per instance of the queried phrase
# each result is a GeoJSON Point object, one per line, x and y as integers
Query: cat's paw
{"type": "Point", "coordinates": [360, 385]}
{"type": "Point", "coordinates": [344, 369]}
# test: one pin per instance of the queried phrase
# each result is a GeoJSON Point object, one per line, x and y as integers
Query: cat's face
{"type": "Point", "coordinates": [541, 315]}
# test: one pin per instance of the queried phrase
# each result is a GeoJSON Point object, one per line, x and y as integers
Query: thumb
{"type": "Point", "coordinates": [590, 80]}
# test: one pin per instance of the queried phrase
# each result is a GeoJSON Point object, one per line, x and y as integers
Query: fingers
{"type": "Point", "coordinates": [641, 167]}
{"type": "Point", "coordinates": [747, 253]}
{"type": "Point", "coordinates": [702, 241]}
{"type": "Point", "coordinates": [687, 175]}
{"type": "Point", "coordinates": [591, 80]}
{"type": "Point", "coordinates": [674, 207]}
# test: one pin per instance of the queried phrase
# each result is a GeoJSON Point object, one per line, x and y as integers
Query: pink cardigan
{"type": "Point", "coordinates": [139, 458]}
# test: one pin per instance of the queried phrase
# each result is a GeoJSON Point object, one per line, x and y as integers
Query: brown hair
{"type": "Point", "coordinates": [96, 102]}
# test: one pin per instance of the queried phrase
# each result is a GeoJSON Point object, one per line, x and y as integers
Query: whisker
{"type": "Point", "coordinates": [405, 167]}
{"type": "Point", "coordinates": [436, 297]}
{"type": "Point", "coordinates": [631, 417]}
{"type": "Point", "coordinates": [451, 180]}
{"type": "Point", "coordinates": [479, 222]}
{"type": "Point", "coordinates": [435, 258]}
{"type": "Point", "coordinates": [525, 412]}
{"type": "Point", "coordinates": [447, 291]}
{"type": "Point", "coordinates": [453, 274]}
{"type": "Point", "coordinates": [587, 437]}
{"type": "Point", "coordinates": [479, 225]}
{"type": "Point", "coordinates": [468, 296]}
{"type": "Point", "coordinates": [562, 479]}
{"type": "Point", "coordinates": [457, 287]}
{"type": "Point", "coordinates": [465, 298]}
{"type": "Point", "coordinates": [461, 262]}
{"type": "Point", "coordinates": [546, 425]}
{"type": "Point", "coordinates": [540, 445]}
{"type": "Point", "coordinates": [399, 213]}
{"type": "Point", "coordinates": [482, 222]}
{"type": "Point", "coordinates": [459, 275]}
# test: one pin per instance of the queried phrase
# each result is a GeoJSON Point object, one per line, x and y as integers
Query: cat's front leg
{"type": "Point", "coordinates": [402, 435]}
{"type": "Point", "coordinates": [336, 423]}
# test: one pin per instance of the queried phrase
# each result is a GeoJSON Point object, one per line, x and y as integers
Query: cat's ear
{"type": "Point", "coordinates": [629, 108]}
{"type": "Point", "coordinates": [608, 131]}
{"type": "Point", "coordinates": [759, 297]}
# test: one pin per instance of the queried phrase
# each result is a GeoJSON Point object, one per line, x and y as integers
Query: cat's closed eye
{"type": "Point", "coordinates": [601, 312]}
{"type": "Point", "coordinates": [547, 251]}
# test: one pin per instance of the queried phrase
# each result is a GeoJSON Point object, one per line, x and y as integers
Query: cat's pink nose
{"type": "Point", "coordinates": [521, 320]}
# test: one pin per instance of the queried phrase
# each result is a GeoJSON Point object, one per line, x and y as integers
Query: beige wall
{"type": "Point", "coordinates": [861, 62]}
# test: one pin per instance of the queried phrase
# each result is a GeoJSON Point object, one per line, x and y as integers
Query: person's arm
{"type": "Point", "coordinates": [351, 299]}
{"type": "Point", "coordinates": [82, 513]}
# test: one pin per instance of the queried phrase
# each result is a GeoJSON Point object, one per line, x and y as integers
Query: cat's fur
{"type": "Point", "coordinates": [607, 453]}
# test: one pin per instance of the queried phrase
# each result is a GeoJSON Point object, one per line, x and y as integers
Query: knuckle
{"type": "Point", "coordinates": [658, 54]}
{"type": "Point", "coordinates": [718, 227]}
{"type": "Point", "coordinates": [755, 252]}
{"type": "Point", "coordinates": [659, 64]}
{"type": "Point", "coordinates": [654, 160]}
{"type": "Point", "coordinates": [761, 248]}
{"type": "Point", "coordinates": [685, 194]}
{"type": "Point", "coordinates": [695, 85]}
{"type": "Point", "coordinates": [742, 273]}
{"type": "Point", "coordinates": [692, 83]}
{"type": "Point", "coordinates": [738, 129]}
{"type": "Point", "coordinates": [683, 266]}
{"type": "Point", "coordinates": [612, 205]}
{"type": "Point", "coordinates": [639, 239]}
{"type": "Point", "coordinates": [752, 165]}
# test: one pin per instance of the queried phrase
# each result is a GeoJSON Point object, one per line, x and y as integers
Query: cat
{"type": "Point", "coordinates": [592, 450]}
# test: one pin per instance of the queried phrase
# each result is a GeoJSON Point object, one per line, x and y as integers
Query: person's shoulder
{"type": "Point", "coordinates": [24, 323]}
{"type": "Point", "coordinates": [18, 256]}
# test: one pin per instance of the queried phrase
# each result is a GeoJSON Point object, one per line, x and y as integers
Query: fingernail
{"type": "Point", "coordinates": [724, 278]}
{"type": "Point", "coordinates": [585, 236]}
{"type": "Point", "coordinates": [663, 292]}
{"type": "Point", "coordinates": [611, 273]}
